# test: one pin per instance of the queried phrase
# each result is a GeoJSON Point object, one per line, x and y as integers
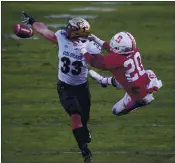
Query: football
{"type": "Point", "coordinates": [22, 31]}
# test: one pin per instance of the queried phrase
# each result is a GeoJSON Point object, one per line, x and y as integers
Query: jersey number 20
{"type": "Point", "coordinates": [66, 66]}
{"type": "Point", "coordinates": [134, 68]}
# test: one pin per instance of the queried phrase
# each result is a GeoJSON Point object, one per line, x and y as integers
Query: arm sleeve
{"type": "Point", "coordinates": [106, 46]}
{"type": "Point", "coordinates": [112, 61]}
{"type": "Point", "coordinates": [94, 61]}
{"type": "Point", "coordinates": [42, 29]}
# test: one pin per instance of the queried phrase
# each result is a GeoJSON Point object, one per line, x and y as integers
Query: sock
{"type": "Point", "coordinates": [87, 134]}
{"type": "Point", "coordinates": [85, 128]}
{"type": "Point", "coordinates": [80, 137]}
{"type": "Point", "coordinates": [79, 134]}
{"type": "Point", "coordinates": [78, 130]}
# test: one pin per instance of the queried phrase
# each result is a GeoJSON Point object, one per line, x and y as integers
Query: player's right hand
{"type": "Point", "coordinates": [94, 38]}
{"type": "Point", "coordinates": [97, 40]}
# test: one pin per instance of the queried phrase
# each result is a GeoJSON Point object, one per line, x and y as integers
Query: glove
{"type": "Point", "coordinates": [97, 40]}
{"type": "Point", "coordinates": [27, 20]}
{"type": "Point", "coordinates": [82, 47]}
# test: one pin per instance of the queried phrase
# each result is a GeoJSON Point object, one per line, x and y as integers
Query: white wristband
{"type": "Point", "coordinates": [101, 42]}
{"type": "Point", "coordinates": [83, 51]}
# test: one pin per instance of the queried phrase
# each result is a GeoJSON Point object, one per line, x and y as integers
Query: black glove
{"type": "Point", "coordinates": [26, 19]}
{"type": "Point", "coordinates": [104, 85]}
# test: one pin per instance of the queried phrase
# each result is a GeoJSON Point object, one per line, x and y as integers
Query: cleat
{"type": "Point", "coordinates": [88, 159]}
{"type": "Point", "coordinates": [86, 153]}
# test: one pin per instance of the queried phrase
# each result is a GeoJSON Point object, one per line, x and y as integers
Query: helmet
{"type": "Point", "coordinates": [123, 43]}
{"type": "Point", "coordinates": [78, 27]}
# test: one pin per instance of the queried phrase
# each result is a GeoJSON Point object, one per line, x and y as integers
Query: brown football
{"type": "Point", "coordinates": [22, 31]}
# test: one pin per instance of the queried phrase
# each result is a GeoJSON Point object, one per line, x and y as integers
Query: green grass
{"type": "Point", "coordinates": [35, 128]}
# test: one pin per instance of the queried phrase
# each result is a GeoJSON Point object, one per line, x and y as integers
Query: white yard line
{"type": "Point", "coordinates": [111, 3]}
{"type": "Point", "coordinates": [90, 8]}
{"type": "Point", "coordinates": [55, 25]}
{"type": "Point", "coordinates": [95, 125]}
{"type": "Point", "coordinates": [13, 36]}
{"type": "Point", "coordinates": [139, 125]}
{"type": "Point", "coordinates": [60, 16]}
{"type": "Point", "coordinates": [52, 152]}
{"type": "Point", "coordinates": [127, 152]}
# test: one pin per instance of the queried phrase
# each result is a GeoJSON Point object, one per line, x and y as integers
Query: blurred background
{"type": "Point", "coordinates": [35, 128]}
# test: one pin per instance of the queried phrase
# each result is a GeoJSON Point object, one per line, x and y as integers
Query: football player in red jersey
{"type": "Point", "coordinates": [126, 104]}
{"type": "Point", "coordinates": [124, 61]}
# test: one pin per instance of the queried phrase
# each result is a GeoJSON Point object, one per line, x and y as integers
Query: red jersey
{"type": "Point", "coordinates": [129, 72]}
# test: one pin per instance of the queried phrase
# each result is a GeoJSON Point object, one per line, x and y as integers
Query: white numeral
{"type": "Point", "coordinates": [137, 60]}
{"type": "Point", "coordinates": [134, 64]}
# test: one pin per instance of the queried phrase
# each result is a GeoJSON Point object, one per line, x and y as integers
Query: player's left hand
{"type": "Point", "coordinates": [82, 47]}
{"type": "Point", "coordinates": [26, 19]}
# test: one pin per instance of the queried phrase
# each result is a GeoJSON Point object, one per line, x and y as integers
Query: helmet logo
{"type": "Point", "coordinates": [78, 28]}
{"type": "Point", "coordinates": [119, 39]}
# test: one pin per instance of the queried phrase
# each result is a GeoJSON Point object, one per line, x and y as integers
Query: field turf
{"type": "Point", "coordinates": [35, 128]}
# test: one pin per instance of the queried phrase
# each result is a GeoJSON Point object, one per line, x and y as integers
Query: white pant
{"type": "Point", "coordinates": [127, 103]}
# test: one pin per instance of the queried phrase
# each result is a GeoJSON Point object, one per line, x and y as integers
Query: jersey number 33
{"type": "Point", "coordinates": [77, 66]}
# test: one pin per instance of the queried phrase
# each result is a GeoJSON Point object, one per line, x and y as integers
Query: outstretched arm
{"type": "Point", "coordinates": [108, 62]}
{"type": "Point", "coordinates": [39, 27]}
{"type": "Point", "coordinates": [104, 81]}
{"type": "Point", "coordinates": [44, 31]}
{"type": "Point", "coordinates": [93, 60]}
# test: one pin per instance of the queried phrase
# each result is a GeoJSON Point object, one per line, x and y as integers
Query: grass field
{"type": "Point", "coordinates": [35, 128]}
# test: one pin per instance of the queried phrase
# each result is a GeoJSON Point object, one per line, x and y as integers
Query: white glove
{"type": "Point", "coordinates": [82, 47]}
{"type": "Point", "coordinates": [97, 40]}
